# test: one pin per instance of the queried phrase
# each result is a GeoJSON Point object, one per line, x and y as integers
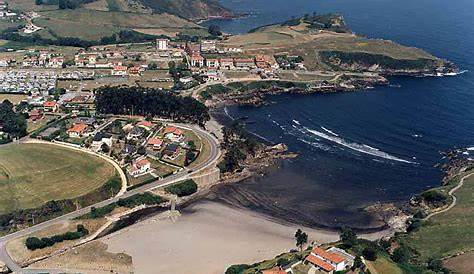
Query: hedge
{"type": "Point", "coordinates": [33, 243]}
{"type": "Point", "coordinates": [185, 188]}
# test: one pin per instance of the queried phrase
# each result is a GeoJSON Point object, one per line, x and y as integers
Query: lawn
{"type": "Point", "coordinates": [32, 174]}
{"type": "Point", "coordinates": [383, 265]}
{"type": "Point", "coordinates": [449, 232]}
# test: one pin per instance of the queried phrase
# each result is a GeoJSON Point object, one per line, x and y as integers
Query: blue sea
{"type": "Point", "coordinates": [360, 148]}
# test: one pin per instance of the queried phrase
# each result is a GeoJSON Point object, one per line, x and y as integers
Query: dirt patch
{"type": "Point", "coordinates": [89, 258]}
{"type": "Point", "coordinates": [461, 264]}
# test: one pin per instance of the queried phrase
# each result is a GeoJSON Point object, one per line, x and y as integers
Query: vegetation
{"type": "Point", "coordinates": [150, 102]}
{"type": "Point", "coordinates": [185, 188]}
{"type": "Point", "coordinates": [363, 60]}
{"type": "Point", "coordinates": [33, 243]}
{"type": "Point", "coordinates": [330, 22]}
{"type": "Point", "coordinates": [12, 123]}
{"type": "Point", "coordinates": [190, 9]}
{"type": "Point", "coordinates": [301, 239]}
{"type": "Point", "coordinates": [130, 202]}
{"type": "Point", "coordinates": [50, 172]}
{"type": "Point", "coordinates": [237, 144]}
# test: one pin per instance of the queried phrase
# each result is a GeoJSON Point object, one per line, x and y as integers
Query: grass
{"type": "Point", "coordinates": [36, 173]}
{"type": "Point", "coordinates": [90, 24]}
{"type": "Point", "coordinates": [14, 98]}
{"type": "Point", "coordinates": [449, 232]}
{"type": "Point", "coordinates": [113, 5]}
{"type": "Point", "coordinates": [383, 265]}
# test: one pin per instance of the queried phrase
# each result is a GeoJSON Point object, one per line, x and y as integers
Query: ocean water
{"type": "Point", "coordinates": [360, 148]}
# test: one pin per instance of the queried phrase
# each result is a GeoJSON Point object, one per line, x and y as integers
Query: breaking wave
{"type": "Point", "coordinates": [357, 147]}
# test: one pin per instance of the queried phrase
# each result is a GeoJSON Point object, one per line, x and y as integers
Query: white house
{"type": "Point", "coordinates": [139, 167]}
{"type": "Point", "coordinates": [330, 260]}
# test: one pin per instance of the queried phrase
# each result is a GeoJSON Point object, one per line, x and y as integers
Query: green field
{"type": "Point", "coordinates": [449, 232]}
{"type": "Point", "coordinates": [32, 174]}
{"type": "Point", "coordinates": [93, 24]}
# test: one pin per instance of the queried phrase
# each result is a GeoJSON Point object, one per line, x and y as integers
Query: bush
{"type": "Point", "coordinates": [185, 188]}
{"type": "Point", "coordinates": [434, 196]}
{"type": "Point", "coordinates": [369, 253]}
{"type": "Point", "coordinates": [236, 269]}
{"type": "Point", "coordinates": [401, 255]}
{"type": "Point", "coordinates": [33, 243]}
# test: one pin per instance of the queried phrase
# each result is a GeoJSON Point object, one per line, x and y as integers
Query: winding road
{"type": "Point", "coordinates": [183, 175]}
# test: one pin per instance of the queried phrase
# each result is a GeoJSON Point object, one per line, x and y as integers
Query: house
{"type": "Point", "coordinates": [119, 71]}
{"type": "Point", "coordinates": [197, 60]}
{"type": "Point", "coordinates": [174, 134]}
{"type": "Point", "coordinates": [56, 62]}
{"type": "Point", "coordinates": [127, 150]}
{"type": "Point", "coordinates": [186, 80]}
{"type": "Point", "coordinates": [212, 63]}
{"type": "Point", "coordinates": [192, 49]}
{"type": "Point", "coordinates": [50, 106]}
{"type": "Point", "coordinates": [227, 63]}
{"type": "Point", "coordinates": [77, 130]}
{"type": "Point", "coordinates": [36, 114]}
{"type": "Point", "coordinates": [136, 133]}
{"type": "Point", "coordinates": [155, 143]}
{"type": "Point", "coordinates": [329, 260]}
{"type": "Point", "coordinates": [135, 71]}
{"type": "Point", "coordinates": [171, 151]}
{"type": "Point", "coordinates": [208, 45]}
{"type": "Point", "coordinates": [244, 63]}
{"type": "Point", "coordinates": [139, 167]}
{"type": "Point", "coordinates": [212, 75]}
{"type": "Point", "coordinates": [147, 125]}
{"type": "Point", "coordinates": [100, 139]}
{"type": "Point", "coordinates": [162, 44]}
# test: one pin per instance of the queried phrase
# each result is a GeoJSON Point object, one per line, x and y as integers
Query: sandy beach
{"type": "Point", "coordinates": [207, 239]}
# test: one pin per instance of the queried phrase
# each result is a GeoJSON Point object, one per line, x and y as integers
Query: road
{"type": "Point", "coordinates": [183, 175]}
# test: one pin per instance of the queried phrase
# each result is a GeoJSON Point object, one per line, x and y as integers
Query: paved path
{"type": "Point", "coordinates": [451, 193]}
{"type": "Point", "coordinates": [183, 175]}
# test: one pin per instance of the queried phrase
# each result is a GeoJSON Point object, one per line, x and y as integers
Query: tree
{"type": "Point", "coordinates": [357, 263]}
{"type": "Point", "coordinates": [369, 253]}
{"type": "Point", "coordinates": [152, 66]}
{"type": "Point", "coordinates": [401, 255]}
{"type": "Point", "coordinates": [348, 237]}
{"type": "Point", "coordinates": [301, 238]}
{"type": "Point", "coordinates": [215, 30]}
{"type": "Point", "coordinates": [39, 2]}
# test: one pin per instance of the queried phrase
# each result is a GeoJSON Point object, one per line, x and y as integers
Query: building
{"type": "Point", "coordinates": [139, 167]}
{"type": "Point", "coordinates": [135, 71]}
{"type": "Point", "coordinates": [100, 139]}
{"type": "Point", "coordinates": [50, 106]}
{"type": "Point", "coordinates": [119, 71]}
{"type": "Point", "coordinates": [145, 125]}
{"type": "Point", "coordinates": [192, 49]}
{"type": "Point", "coordinates": [155, 143]}
{"type": "Point", "coordinates": [227, 63]}
{"type": "Point", "coordinates": [77, 130]}
{"type": "Point", "coordinates": [329, 260]}
{"type": "Point", "coordinates": [208, 46]}
{"type": "Point", "coordinates": [136, 133]}
{"type": "Point", "coordinates": [197, 61]}
{"type": "Point", "coordinates": [162, 44]}
{"type": "Point", "coordinates": [174, 134]}
{"type": "Point", "coordinates": [212, 63]}
{"type": "Point", "coordinates": [35, 114]}
{"type": "Point", "coordinates": [171, 151]}
{"type": "Point", "coordinates": [244, 63]}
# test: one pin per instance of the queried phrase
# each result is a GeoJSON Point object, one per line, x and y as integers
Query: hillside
{"type": "Point", "coordinates": [190, 9]}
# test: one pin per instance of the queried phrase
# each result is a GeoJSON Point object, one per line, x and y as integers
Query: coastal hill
{"type": "Point", "coordinates": [326, 43]}
{"type": "Point", "coordinates": [91, 20]}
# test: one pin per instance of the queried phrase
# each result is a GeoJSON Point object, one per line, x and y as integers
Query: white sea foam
{"type": "Point", "coordinates": [227, 113]}
{"type": "Point", "coordinates": [470, 148]}
{"type": "Point", "coordinates": [329, 131]}
{"type": "Point", "coordinates": [357, 147]}
{"type": "Point", "coordinates": [296, 122]}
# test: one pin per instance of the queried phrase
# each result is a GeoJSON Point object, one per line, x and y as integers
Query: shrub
{"type": "Point", "coordinates": [369, 253]}
{"type": "Point", "coordinates": [236, 269]}
{"type": "Point", "coordinates": [401, 255]}
{"type": "Point", "coordinates": [185, 188]}
{"type": "Point", "coordinates": [33, 243]}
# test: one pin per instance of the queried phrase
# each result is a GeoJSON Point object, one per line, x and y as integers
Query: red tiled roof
{"type": "Point", "coordinates": [320, 263]}
{"type": "Point", "coordinates": [145, 123]}
{"type": "Point", "coordinates": [155, 141]}
{"type": "Point", "coordinates": [328, 256]}
{"type": "Point", "coordinates": [141, 163]}
{"type": "Point", "coordinates": [49, 104]}
{"type": "Point", "coordinates": [78, 128]}
{"type": "Point", "coordinates": [173, 130]}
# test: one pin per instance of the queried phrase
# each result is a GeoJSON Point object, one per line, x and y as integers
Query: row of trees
{"type": "Point", "coordinates": [150, 102]}
{"type": "Point", "coordinates": [185, 188]}
{"type": "Point", "coordinates": [12, 123]}
{"type": "Point", "coordinates": [124, 36]}
{"type": "Point", "coordinates": [33, 243]}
